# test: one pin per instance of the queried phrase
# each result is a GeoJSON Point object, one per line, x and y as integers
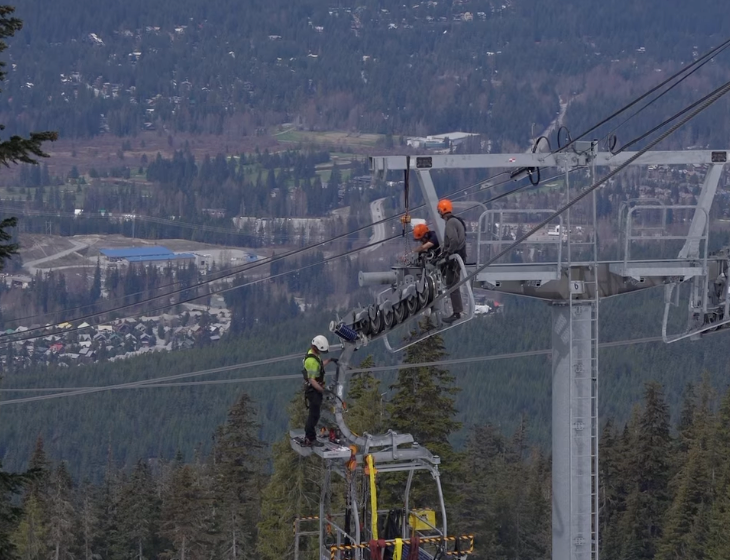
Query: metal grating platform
{"type": "Point", "coordinates": [328, 450]}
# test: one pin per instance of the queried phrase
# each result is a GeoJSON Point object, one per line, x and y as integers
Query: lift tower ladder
{"type": "Point", "coordinates": [582, 392]}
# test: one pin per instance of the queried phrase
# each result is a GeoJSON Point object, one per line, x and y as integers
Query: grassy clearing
{"type": "Point", "coordinates": [332, 137]}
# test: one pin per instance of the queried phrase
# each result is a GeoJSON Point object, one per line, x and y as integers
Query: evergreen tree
{"type": "Point", "coordinates": [16, 149]}
{"type": "Point", "coordinates": [186, 514]}
{"type": "Point", "coordinates": [293, 491]}
{"type": "Point", "coordinates": [88, 520]}
{"type": "Point", "coordinates": [533, 509]}
{"type": "Point", "coordinates": [139, 513]}
{"type": "Point", "coordinates": [106, 539]}
{"type": "Point", "coordinates": [32, 535]}
{"type": "Point", "coordinates": [686, 526]}
{"type": "Point", "coordinates": [423, 405]}
{"type": "Point", "coordinates": [718, 546]}
{"type": "Point", "coordinates": [648, 497]}
{"type": "Point", "coordinates": [61, 513]}
{"type": "Point", "coordinates": [238, 460]}
{"type": "Point", "coordinates": [686, 420]}
{"type": "Point", "coordinates": [95, 292]}
{"type": "Point", "coordinates": [484, 467]}
{"type": "Point", "coordinates": [423, 401]}
{"type": "Point", "coordinates": [41, 465]}
{"type": "Point", "coordinates": [10, 514]}
{"type": "Point", "coordinates": [613, 477]}
{"type": "Point", "coordinates": [7, 250]}
{"type": "Point", "coordinates": [366, 411]}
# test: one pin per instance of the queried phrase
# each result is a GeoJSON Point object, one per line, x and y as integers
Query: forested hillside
{"type": "Point", "coordinates": [498, 68]}
{"type": "Point", "coordinates": [664, 485]}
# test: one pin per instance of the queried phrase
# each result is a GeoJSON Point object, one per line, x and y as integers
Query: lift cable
{"type": "Point", "coordinates": [526, 187]}
{"type": "Point", "coordinates": [706, 102]}
{"type": "Point", "coordinates": [225, 274]}
{"type": "Point", "coordinates": [610, 137]}
{"type": "Point", "coordinates": [159, 382]}
{"type": "Point", "coordinates": [193, 298]}
{"type": "Point", "coordinates": [236, 270]}
{"type": "Point", "coordinates": [4, 343]}
{"type": "Point", "coordinates": [700, 60]}
{"type": "Point", "coordinates": [718, 94]}
{"type": "Point", "coordinates": [665, 122]}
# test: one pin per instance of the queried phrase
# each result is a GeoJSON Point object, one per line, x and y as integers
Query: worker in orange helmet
{"type": "Point", "coordinates": [454, 244]}
{"type": "Point", "coordinates": [429, 240]}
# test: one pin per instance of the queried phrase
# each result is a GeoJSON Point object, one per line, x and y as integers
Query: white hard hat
{"type": "Point", "coordinates": [320, 343]}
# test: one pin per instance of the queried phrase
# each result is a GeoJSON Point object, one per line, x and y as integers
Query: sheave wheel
{"type": "Point", "coordinates": [400, 312]}
{"type": "Point", "coordinates": [388, 319]}
{"type": "Point", "coordinates": [429, 290]}
{"type": "Point", "coordinates": [413, 305]}
{"type": "Point", "coordinates": [376, 324]}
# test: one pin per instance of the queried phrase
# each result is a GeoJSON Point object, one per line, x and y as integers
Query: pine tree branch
{"type": "Point", "coordinates": [23, 150]}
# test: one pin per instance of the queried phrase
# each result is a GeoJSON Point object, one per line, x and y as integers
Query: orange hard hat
{"type": "Point", "coordinates": [419, 231]}
{"type": "Point", "coordinates": [445, 206]}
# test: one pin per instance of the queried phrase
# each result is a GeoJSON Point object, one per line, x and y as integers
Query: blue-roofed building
{"type": "Point", "coordinates": [177, 257]}
{"type": "Point", "coordinates": [125, 252]}
{"type": "Point", "coordinates": [156, 255]}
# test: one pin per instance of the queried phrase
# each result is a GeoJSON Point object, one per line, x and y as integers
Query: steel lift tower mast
{"type": "Point", "coordinates": [574, 284]}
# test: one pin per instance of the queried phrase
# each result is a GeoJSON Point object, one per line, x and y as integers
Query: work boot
{"type": "Point", "coordinates": [454, 317]}
{"type": "Point", "coordinates": [315, 443]}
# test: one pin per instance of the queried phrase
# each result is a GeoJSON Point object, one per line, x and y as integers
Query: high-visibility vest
{"type": "Point", "coordinates": [305, 373]}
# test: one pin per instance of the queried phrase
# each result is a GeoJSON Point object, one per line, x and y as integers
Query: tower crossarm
{"type": "Point", "coordinates": [584, 153]}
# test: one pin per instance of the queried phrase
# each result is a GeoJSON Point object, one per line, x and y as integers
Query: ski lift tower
{"type": "Point", "coordinates": [572, 280]}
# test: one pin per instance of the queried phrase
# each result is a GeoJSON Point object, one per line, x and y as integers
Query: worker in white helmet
{"type": "Point", "coordinates": [313, 372]}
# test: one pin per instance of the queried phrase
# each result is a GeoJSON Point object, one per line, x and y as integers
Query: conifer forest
{"type": "Point", "coordinates": [187, 198]}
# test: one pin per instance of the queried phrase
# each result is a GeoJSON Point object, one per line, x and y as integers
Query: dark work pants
{"type": "Point", "coordinates": [452, 274]}
{"type": "Point", "coordinates": [315, 405]}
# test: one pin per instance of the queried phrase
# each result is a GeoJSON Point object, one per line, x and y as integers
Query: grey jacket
{"type": "Point", "coordinates": [454, 238]}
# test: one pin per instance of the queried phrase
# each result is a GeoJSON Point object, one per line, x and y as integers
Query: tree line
{"type": "Point", "coordinates": [664, 487]}
{"type": "Point", "coordinates": [218, 69]}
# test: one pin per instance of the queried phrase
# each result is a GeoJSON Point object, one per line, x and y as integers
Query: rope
{"type": "Point", "coordinates": [375, 547]}
{"type": "Point", "coordinates": [413, 548]}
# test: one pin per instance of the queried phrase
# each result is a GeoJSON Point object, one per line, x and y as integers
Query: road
{"type": "Point", "coordinates": [556, 123]}
{"type": "Point", "coordinates": [376, 213]}
{"type": "Point", "coordinates": [32, 266]}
